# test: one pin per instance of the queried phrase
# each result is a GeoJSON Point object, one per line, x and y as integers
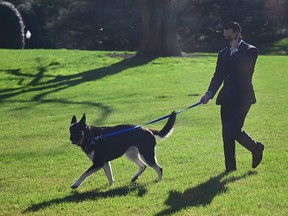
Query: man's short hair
{"type": "Point", "coordinates": [234, 26]}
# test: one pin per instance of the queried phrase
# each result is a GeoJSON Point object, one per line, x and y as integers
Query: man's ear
{"type": "Point", "coordinates": [73, 120]}
{"type": "Point", "coordinates": [83, 119]}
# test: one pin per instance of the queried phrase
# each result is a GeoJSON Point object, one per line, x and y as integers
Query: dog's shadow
{"type": "Point", "coordinates": [77, 197]}
{"type": "Point", "coordinates": [200, 195]}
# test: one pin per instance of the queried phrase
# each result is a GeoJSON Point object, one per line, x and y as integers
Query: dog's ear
{"type": "Point", "coordinates": [83, 119]}
{"type": "Point", "coordinates": [73, 120]}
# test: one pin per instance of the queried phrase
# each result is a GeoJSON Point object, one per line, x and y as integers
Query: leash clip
{"type": "Point", "coordinates": [97, 138]}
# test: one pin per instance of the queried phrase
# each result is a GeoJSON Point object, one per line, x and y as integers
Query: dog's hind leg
{"type": "Point", "coordinates": [90, 171]}
{"type": "Point", "coordinates": [108, 172]}
{"type": "Point", "coordinates": [159, 171]}
{"type": "Point", "coordinates": [133, 154]}
{"type": "Point", "coordinates": [150, 159]}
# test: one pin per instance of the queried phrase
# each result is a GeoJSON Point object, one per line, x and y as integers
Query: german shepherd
{"type": "Point", "coordinates": [138, 145]}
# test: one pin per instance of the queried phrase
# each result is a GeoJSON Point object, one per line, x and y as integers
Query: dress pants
{"type": "Point", "coordinates": [233, 118]}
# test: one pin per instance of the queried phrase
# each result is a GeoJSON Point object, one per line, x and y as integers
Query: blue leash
{"type": "Point", "coordinates": [138, 126]}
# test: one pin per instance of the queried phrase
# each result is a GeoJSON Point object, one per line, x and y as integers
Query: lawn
{"type": "Point", "coordinates": [40, 91]}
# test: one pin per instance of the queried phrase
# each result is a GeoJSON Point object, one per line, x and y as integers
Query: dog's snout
{"type": "Point", "coordinates": [73, 141]}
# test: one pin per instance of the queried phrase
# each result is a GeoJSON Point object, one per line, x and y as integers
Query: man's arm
{"type": "Point", "coordinates": [216, 81]}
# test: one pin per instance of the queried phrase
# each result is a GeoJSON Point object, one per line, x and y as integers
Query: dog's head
{"type": "Point", "coordinates": [77, 130]}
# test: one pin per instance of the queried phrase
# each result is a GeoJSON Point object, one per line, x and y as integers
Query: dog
{"type": "Point", "coordinates": [138, 145]}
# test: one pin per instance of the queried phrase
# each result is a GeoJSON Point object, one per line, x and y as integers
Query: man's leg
{"type": "Point", "coordinates": [256, 148]}
{"type": "Point", "coordinates": [246, 141]}
{"type": "Point", "coordinates": [240, 135]}
{"type": "Point", "coordinates": [228, 139]}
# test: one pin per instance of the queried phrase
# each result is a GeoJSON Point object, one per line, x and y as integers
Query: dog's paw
{"type": "Point", "coordinates": [158, 180]}
{"type": "Point", "coordinates": [74, 186]}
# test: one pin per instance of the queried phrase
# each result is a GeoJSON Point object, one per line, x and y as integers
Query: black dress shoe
{"type": "Point", "coordinates": [257, 155]}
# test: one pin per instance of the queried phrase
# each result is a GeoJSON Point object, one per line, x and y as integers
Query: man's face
{"type": "Point", "coordinates": [229, 35]}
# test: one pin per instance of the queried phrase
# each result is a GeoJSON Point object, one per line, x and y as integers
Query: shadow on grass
{"type": "Point", "coordinates": [200, 195]}
{"type": "Point", "coordinates": [76, 197]}
{"type": "Point", "coordinates": [56, 83]}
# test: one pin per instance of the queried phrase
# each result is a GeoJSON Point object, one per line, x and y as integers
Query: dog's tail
{"type": "Point", "coordinates": [168, 128]}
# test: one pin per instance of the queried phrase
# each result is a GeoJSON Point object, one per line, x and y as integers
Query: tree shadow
{"type": "Point", "coordinates": [76, 197]}
{"type": "Point", "coordinates": [55, 83]}
{"type": "Point", "coordinates": [58, 83]}
{"type": "Point", "coordinates": [200, 195]}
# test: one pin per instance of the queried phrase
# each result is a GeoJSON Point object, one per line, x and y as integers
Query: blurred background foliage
{"type": "Point", "coordinates": [117, 24]}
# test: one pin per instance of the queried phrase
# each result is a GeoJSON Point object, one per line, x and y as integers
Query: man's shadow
{"type": "Point", "coordinates": [200, 195]}
{"type": "Point", "coordinates": [76, 197]}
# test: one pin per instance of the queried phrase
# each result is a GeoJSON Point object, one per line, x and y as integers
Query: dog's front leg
{"type": "Point", "coordinates": [108, 172]}
{"type": "Point", "coordinates": [91, 170]}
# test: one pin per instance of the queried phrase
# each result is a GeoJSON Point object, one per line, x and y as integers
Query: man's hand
{"type": "Point", "coordinates": [235, 43]}
{"type": "Point", "coordinates": [205, 99]}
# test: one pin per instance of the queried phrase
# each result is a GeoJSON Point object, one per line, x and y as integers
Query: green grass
{"type": "Point", "coordinates": [279, 47]}
{"type": "Point", "coordinates": [40, 90]}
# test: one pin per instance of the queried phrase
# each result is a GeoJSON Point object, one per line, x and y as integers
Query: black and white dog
{"type": "Point", "coordinates": [138, 145]}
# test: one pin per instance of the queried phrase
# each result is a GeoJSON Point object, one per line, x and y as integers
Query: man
{"type": "Point", "coordinates": [235, 67]}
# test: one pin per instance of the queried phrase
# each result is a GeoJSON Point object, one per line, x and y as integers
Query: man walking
{"type": "Point", "coordinates": [235, 67]}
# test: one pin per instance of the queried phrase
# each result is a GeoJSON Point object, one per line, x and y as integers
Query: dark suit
{"type": "Point", "coordinates": [236, 97]}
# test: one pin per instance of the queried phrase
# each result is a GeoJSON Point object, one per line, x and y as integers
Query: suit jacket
{"type": "Point", "coordinates": [235, 72]}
